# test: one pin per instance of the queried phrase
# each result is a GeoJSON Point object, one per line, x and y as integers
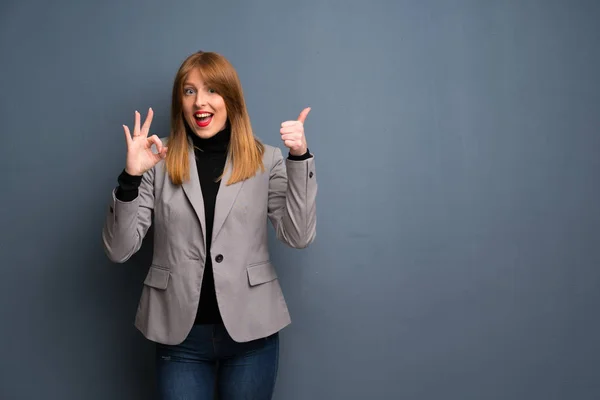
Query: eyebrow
{"type": "Point", "coordinates": [187, 83]}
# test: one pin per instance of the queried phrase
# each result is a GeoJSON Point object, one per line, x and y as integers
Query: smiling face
{"type": "Point", "coordinates": [203, 109]}
{"type": "Point", "coordinates": [207, 82]}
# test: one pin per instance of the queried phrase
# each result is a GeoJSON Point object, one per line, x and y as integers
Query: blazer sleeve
{"type": "Point", "coordinates": [127, 222]}
{"type": "Point", "coordinates": [292, 200]}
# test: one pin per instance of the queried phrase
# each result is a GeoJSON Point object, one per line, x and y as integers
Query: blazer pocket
{"type": "Point", "coordinates": [157, 277]}
{"type": "Point", "coordinates": [261, 273]}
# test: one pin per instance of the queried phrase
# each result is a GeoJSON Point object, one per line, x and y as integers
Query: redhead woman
{"type": "Point", "coordinates": [211, 300]}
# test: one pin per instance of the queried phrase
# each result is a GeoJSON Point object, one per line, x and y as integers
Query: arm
{"type": "Point", "coordinates": [129, 216]}
{"type": "Point", "coordinates": [292, 200]}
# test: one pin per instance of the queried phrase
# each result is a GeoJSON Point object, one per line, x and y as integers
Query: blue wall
{"type": "Point", "coordinates": [457, 143]}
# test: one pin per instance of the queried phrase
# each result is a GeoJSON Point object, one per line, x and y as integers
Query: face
{"type": "Point", "coordinates": [203, 109]}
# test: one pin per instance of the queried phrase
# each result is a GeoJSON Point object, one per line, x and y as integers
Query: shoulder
{"type": "Point", "coordinates": [271, 156]}
{"type": "Point", "coordinates": [271, 152]}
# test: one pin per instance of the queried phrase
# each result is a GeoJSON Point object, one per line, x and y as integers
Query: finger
{"type": "Point", "coordinates": [163, 154]}
{"type": "Point", "coordinates": [156, 141]}
{"type": "Point", "coordinates": [291, 137]}
{"type": "Point", "coordinates": [290, 144]}
{"type": "Point", "coordinates": [147, 122]}
{"type": "Point", "coordinates": [291, 129]}
{"type": "Point", "coordinates": [291, 123]}
{"type": "Point", "coordinates": [136, 126]}
{"type": "Point", "coordinates": [303, 114]}
{"type": "Point", "coordinates": [127, 135]}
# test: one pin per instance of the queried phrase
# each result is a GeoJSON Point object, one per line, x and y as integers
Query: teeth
{"type": "Point", "coordinates": [203, 115]}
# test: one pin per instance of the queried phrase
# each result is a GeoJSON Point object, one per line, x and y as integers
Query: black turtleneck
{"type": "Point", "coordinates": [211, 155]}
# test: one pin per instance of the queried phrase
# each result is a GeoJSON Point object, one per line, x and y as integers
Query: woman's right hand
{"type": "Point", "coordinates": [140, 157]}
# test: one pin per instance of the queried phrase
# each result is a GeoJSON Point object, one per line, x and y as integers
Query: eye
{"type": "Point", "coordinates": [212, 90]}
{"type": "Point", "coordinates": [188, 91]}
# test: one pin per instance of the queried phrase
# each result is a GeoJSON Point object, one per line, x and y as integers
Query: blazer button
{"type": "Point", "coordinates": [310, 175]}
{"type": "Point", "coordinates": [219, 258]}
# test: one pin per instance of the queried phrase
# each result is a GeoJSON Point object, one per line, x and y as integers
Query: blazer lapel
{"type": "Point", "coordinates": [194, 193]}
{"type": "Point", "coordinates": [225, 198]}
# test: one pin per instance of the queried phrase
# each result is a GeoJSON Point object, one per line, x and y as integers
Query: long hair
{"type": "Point", "coordinates": [245, 151]}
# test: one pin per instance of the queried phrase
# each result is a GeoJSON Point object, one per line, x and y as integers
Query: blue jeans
{"type": "Point", "coordinates": [210, 361]}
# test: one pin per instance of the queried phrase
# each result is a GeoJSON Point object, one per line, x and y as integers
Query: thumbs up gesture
{"type": "Point", "coordinates": [292, 134]}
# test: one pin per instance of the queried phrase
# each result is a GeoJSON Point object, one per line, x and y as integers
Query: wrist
{"type": "Point", "coordinates": [298, 152]}
{"type": "Point", "coordinates": [132, 173]}
{"type": "Point", "coordinates": [300, 157]}
{"type": "Point", "coordinates": [128, 181]}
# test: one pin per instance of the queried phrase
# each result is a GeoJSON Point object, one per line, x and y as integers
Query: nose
{"type": "Point", "coordinates": [200, 100]}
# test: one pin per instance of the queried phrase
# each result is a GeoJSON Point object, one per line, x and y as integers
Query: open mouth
{"type": "Point", "coordinates": [203, 119]}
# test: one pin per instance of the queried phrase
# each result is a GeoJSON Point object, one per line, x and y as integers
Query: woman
{"type": "Point", "coordinates": [211, 299]}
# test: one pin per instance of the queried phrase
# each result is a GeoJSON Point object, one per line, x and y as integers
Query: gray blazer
{"type": "Point", "coordinates": [248, 291]}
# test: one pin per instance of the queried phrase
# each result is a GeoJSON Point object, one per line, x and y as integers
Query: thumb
{"type": "Point", "coordinates": [303, 114]}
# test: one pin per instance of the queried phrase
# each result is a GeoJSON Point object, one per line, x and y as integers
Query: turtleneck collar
{"type": "Point", "coordinates": [218, 143]}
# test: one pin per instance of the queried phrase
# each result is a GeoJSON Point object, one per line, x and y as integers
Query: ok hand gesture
{"type": "Point", "coordinates": [140, 157]}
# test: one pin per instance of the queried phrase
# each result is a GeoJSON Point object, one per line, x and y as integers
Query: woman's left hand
{"type": "Point", "coordinates": [292, 134]}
